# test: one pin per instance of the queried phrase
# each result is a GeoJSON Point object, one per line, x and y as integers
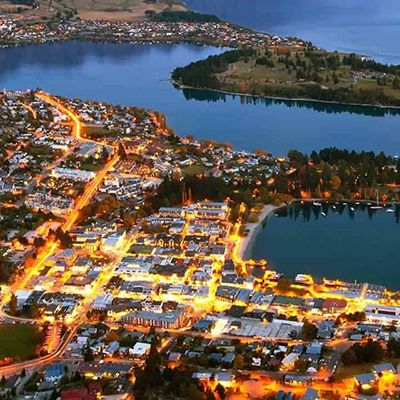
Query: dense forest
{"type": "Point", "coordinates": [313, 75]}
{"type": "Point", "coordinates": [201, 74]}
{"type": "Point", "coordinates": [338, 95]}
{"type": "Point", "coordinates": [23, 2]}
{"type": "Point", "coordinates": [340, 174]}
{"type": "Point", "coordinates": [331, 173]}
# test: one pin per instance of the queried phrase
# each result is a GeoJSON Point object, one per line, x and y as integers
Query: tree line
{"type": "Point", "coordinates": [201, 74]}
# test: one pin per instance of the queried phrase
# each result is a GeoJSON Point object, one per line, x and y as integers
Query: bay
{"type": "Point", "coordinates": [139, 75]}
{"type": "Point", "coordinates": [359, 245]}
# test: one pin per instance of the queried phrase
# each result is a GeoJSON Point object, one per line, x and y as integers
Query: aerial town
{"type": "Point", "coordinates": [14, 33]}
{"type": "Point", "coordinates": [126, 269]}
{"type": "Point", "coordinates": [123, 260]}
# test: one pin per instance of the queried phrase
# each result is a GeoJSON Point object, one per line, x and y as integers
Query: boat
{"type": "Point", "coordinates": [352, 208]}
{"type": "Point", "coordinates": [377, 207]}
{"type": "Point", "coordinates": [390, 210]}
{"type": "Point", "coordinates": [345, 204]}
{"type": "Point", "coordinates": [317, 204]}
{"type": "Point", "coordinates": [323, 214]}
{"type": "Point", "coordinates": [334, 207]}
{"type": "Point", "coordinates": [358, 203]}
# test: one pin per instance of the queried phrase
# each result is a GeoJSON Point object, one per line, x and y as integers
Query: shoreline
{"type": "Point", "coordinates": [248, 241]}
{"type": "Point", "coordinates": [257, 96]}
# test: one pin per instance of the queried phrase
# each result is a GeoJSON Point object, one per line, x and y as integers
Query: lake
{"type": "Point", "coordinates": [139, 75]}
{"type": "Point", "coordinates": [350, 245]}
{"type": "Point", "coordinates": [367, 27]}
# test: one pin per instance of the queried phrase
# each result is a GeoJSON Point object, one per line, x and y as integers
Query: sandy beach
{"type": "Point", "coordinates": [253, 228]}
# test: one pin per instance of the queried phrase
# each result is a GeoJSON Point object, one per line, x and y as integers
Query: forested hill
{"type": "Point", "coordinates": [296, 74]}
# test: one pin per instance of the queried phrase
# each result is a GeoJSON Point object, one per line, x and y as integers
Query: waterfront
{"type": "Point", "coordinates": [350, 245]}
{"type": "Point", "coordinates": [139, 75]}
{"type": "Point", "coordinates": [370, 28]}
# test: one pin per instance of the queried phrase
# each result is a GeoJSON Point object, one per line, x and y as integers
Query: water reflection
{"type": "Point", "coordinates": [329, 108]}
{"type": "Point", "coordinates": [139, 75]}
{"type": "Point", "coordinates": [348, 241]}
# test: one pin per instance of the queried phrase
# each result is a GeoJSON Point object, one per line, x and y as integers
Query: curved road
{"type": "Point", "coordinates": [52, 246]}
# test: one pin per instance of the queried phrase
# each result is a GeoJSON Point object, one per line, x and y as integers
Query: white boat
{"type": "Point", "coordinates": [376, 207]}
{"type": "Point", "coordinates": [390, 210]}
{"type": "Point", "coordinates": [334, 207]}
{"type": "Point", "coordinates": [323, 214]}
{"type": "Point", "coordinates": [345, 204]}
{"type": "Point", "coordinates": [317, 204]}
{"type": "Point", "coordinates": [352, 208]}
{"type": "Point", "coordinates": [358, 203]}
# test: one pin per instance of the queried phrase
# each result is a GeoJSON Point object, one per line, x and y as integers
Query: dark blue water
{"type": "Point", "coordinates": [370, 27]}
{"type": "Point", "coordinates": [360, 245]}
{"type": "Point", "coordinates": [138, 75]}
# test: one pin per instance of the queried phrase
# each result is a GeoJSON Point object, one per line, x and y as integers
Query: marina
{"type": "Point", "coordinates": [348, 241]}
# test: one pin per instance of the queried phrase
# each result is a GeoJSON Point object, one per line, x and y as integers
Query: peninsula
{"type": "Point", "coordinates": [295, 72]}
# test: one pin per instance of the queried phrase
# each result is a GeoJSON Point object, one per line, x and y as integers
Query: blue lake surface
{"type": "Point", "coordinates": [139, 75]}
{"type": "Point", "coordinates": [360, 245]}
{"type": "Point", "coordinates": [369, 27]}
{"type": "Point", "coordinates": [336, 246]}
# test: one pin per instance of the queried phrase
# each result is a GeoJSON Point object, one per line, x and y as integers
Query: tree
{"type": "Point", "coordinates": [104, 154]}
{"type": "Point", "coordinates": [284, 285]}
{"type": "Point", "coordinates": [370, 352]}
{"type": "Point", "coordinates": [122, 152]}
{"type": "Point", "coordinates": [13, 305]}
{"type": "Point", "coordinates": [34, 310]}
{"type": "Point", "coordinates": [112, 336]}
{"type": "Point", "coordinates": [396, 83]}
{"type": "Point", "coordinates": [88, 354]}
{"type": "Point", "coordinates": [349, 357]}
{"type": "Point", "coordinates": [301, 365]}
{"type": "Point", "coordinates": [309, 331]}
{"type": "Point", "coordinates": [239, 361]}
{"type": "Point", "coordinates": [76, 377]}
{"type": "Point", "coordinates": [221, 391]}
{"type": "Point", "coordinates": [64, 380]}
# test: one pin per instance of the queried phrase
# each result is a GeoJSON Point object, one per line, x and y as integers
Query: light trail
{"type": "Point", "coordinates": [51, 247]}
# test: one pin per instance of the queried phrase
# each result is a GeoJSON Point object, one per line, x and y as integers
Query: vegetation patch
{"type": "Point", "coordinates": [19, 342]}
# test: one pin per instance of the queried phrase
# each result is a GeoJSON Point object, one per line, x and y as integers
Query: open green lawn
{"type": "Point", "coordinates": [193, 170]}
{"type": "Point", "coordinates": [92, 167]}
{"type": "Point", "coordinates": [140, 249]}
{"type": "Point", "coordinates": [19, 341]}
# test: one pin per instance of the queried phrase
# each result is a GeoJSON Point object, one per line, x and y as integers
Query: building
{"type": "Point", "coordinates": [383, 369]}
{"type": "Point", "coordinates": [366, 381]}
{"type": "Point", "coordinates": [111, 349]}
{"type": "Point", "coordinates": [211, 213]}
{"type": "Point", "coordinates": [175, 212]}
{"type": "Point", "coordinates": [73, 174]}
{"type": "Point", "coordinates": [102, 302]}
{"type": "Point", "coordinates": [54, 372]}
{"type": "Point", "coordinates": [379, 314]}
{"type": "Point", "coordinates": [168, 320]}
{"type": "Point", "coordinates": [140, 350]}
{"type": "Point", "coordinates": [334, 306]}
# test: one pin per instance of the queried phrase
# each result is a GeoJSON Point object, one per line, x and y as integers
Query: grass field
{"type": "Point", "coordinates": [193, 170]}
{"type": "Point", "coordinates": [19, 341]}
{"type": "Point", "coordinates": [112, 10]}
